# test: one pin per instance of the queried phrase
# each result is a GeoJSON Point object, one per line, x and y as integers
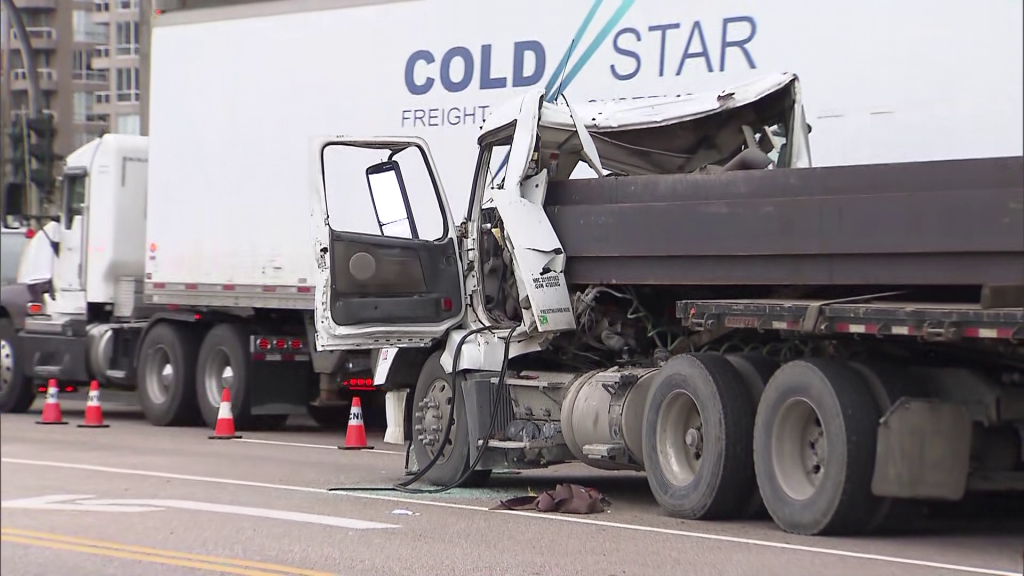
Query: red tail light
{"type": "Point", "coordinates": [296, 344]}
{"type": "Point", "coordinates": [280, 344]}
{"type": "Point", "coordinates": [30, 233]}
{"type": "Point", "coordinates": [263, 344]}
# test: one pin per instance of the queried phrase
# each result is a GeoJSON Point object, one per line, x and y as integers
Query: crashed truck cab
{"type": "Point", "coordinates": [398, 274]}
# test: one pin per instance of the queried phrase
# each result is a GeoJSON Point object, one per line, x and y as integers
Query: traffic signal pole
{"type": "Point", "coordinates": [28, 59]}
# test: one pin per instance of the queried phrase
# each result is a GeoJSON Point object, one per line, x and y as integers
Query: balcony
{"type": "Point", "coordinates": [90, 80]}
{"type": "Point", "coordinates": [102, 102]}
{"type": "Point", "coordinates": [101, 12]}
{"type": "Point", "coordinates": [42, 37]}
{"type": "Point", "coordinates": [127, 96]}
{"type": "Point", "coordinates": [126, 50]}
{"type": "Point", "coordinates": [101, 58]}
{"type": "Point", "coordinates": [37, 4]}
{"type": "Point", "coordinates": [47, 79]}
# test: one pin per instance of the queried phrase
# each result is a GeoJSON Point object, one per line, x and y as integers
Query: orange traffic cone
{"type": "Point", "coordinates": [225, 429]}
{"type": "Point", "coordinates": [51, 410]}
{"type": "Point", "coordinates": [355, 436]}
{"type": "Point", "coordinates": [93, 410]}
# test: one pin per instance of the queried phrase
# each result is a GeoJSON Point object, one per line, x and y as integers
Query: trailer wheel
{"type": "Point", "coordinates": [16, 390]}
{"type": "Point", "coordinates": [166, 375]}
{"type": "Point", "coordinates": [431, 401]}
{"type": "Point", "coordinates": [223, 363]}
{"type": "Point", "coordinates": [757, 370]}
{"type": "Point", "coordinates": [814, 448]}
{"type": "Point", "coordinates": [698, 428]}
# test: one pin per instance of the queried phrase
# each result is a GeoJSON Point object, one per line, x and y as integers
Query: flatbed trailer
{"type": "Point", "coordinates": [938, 223]}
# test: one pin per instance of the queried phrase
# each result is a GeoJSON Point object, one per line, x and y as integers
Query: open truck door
{"type": "Point", "coordinates": [388, 266]}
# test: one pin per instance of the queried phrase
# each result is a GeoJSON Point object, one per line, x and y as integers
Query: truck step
{"type": "Point", "coordinates": [116, 374]}
{"type": "Point", "coordinates": [47, 371]}
{"type": "Point", "coordinates": [604, 451]}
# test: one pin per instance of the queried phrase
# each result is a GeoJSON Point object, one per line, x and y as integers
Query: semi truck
{"type": "Point", "coordinates": [79, 312]}
{"type": "Point", "coordinates": [675, 112]}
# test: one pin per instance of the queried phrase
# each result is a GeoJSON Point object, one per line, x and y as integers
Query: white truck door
{"type": "Point", "coordinates": [388, 266]}
{"type": "Point", "coordinates": [68, 277]}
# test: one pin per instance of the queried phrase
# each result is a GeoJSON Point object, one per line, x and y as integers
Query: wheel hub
{"type": "Point", "coordinates": [6, 364]}
{"type": "Point", "coordinates": [159, 376]}
{"type": "Point", "coordinates": [432, 417]}
{"type": "Point", "coordinates": [218, 375]}
{"type": "Point", "coordinates": [799, 449]}
{"type": "Point", "coordinates": [680, 438]}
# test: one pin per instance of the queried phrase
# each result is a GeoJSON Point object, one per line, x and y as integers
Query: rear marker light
{"type": "Point", "coordinates": [34, 308]}
{"type": "Point", "coordinates": [41, 389]}
{"type": "Point", "coordinates": [296, 344]}
{"type": "Point", "coordinates": [263, 344]}
{"type": "Point", "coordinates": [279, 344]}
{"type": "Point", "coordinates": [30, 233]}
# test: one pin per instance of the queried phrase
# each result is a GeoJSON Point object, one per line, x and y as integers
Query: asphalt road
{"type": "Point", "coordinates": [135, 499]}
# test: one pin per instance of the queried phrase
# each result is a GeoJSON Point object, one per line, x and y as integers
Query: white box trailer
{"type": "Point", "coordinates": [237, 92]}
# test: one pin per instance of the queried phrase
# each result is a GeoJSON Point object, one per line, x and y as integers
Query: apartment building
{"type": "Point", "coordinates": [87, 54]}
{"type": "Point", "coordinates": [119, 60]}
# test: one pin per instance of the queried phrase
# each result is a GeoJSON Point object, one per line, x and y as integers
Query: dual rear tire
{"type": "Point", "coordinates": [729, 437]}
{"type": "Point", "coordinates": [182, 373]}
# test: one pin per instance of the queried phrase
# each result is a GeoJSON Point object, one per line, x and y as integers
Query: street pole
{"type": "Point", "coordinates": [28, 59]}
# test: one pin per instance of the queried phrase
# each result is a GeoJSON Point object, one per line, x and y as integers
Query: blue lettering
{"type": "Point", "coordinates": [410, 73]}
{"type": "Point", "coordinates": [466, 56]}
{"type": "Point", "coordinates": [520, 49]}
{"type": "Point", "coordinates": [627, 53]}
{"type": "Point", "coordinates": [663, 28]}
{"type": "Point", "coordinates": [741, 44]}
{"type": "Point", "coordinates": [486, 81]}
{"type": "Point", "coordinates": [698, 31]}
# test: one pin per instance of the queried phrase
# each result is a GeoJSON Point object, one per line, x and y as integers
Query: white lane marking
{"type": "Point", "coordinates": [86, 503]}
{"type": "Point", "coordinates": [54, 502]}
{"type": "Point", "coordinates": [301, 445]}
{"type": "Point", "coordinates": [602, 523]}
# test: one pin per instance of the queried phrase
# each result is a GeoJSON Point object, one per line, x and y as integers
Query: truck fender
{"type": "Point", "coordinates": [170, 316]}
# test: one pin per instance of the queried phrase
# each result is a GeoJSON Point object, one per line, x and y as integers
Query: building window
{"type": "Point", "coordinates": [101, 6]}
{"type": "Point", "coordinates": [127, 35]}
{"type": "Point", "coordinates": [82, 106]}
{"type": "Point", "coordinates": [128, 5]}
{"type": "Point", "coordinates": [128, 84]}
{"type": "Point", "coordinates": [129, 124]}
{"type": "Point", "coordinates": [82, 138]}
{"type": "Point", "coordinates": [86, 30]}
{"type": "Point", "coordinates": [81, 68]}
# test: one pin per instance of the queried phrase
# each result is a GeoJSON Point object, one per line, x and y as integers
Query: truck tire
{"type": "Point", "coordinates": [697, 441]}
{"type": "Point", "coordinates": [757, 370]}
{"type": "Point", "coordinates": [16, 390]}
{"type": "Point", "coordinates": [224, 361]}
{"type": "Point", "coordinates": [814, 448]}
{"type": "Point", "coordinates": [435, 385]}
{"type": "Point", "coordinates": [166, 375]}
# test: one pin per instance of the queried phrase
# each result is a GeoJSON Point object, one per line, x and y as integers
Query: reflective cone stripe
{"type": "Point", "coordinates": [51, 409]}
{"type": "Point", "coordinates": [225, 429]}
{"type": "Point", "coordinates": [93, 410]}
{"type": "Point", "coordinates": [355, 435]}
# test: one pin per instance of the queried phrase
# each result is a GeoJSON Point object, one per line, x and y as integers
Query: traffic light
{"type": "Point", "coordinates": [43, 133]}
{"type": "Point", "coordinates": [16, 157]}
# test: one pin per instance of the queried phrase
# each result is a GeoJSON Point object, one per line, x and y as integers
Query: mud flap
{"type": "Point", "coordinates": [924, 450]}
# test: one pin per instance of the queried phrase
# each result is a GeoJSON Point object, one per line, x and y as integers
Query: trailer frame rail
{"type": "Point", "coordinates": [922, 320]}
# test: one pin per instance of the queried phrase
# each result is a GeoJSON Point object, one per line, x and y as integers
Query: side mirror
{"type": "Point", "coordinates": [390, 200]}
{"type": "Point", "coordinates": [13, 209]}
